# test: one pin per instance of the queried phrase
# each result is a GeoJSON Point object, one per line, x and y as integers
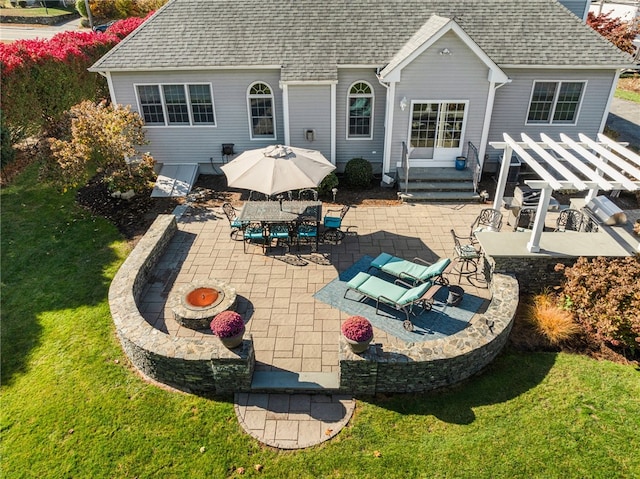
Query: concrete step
{"type": "Point", "coordinates": [288, 382]}
{"type": "Point", "coordinates": [436, 174]}
{"type": "Point", "coordinates": [442, 196]}
{"type": "Point", "coordinates": [435, 186]}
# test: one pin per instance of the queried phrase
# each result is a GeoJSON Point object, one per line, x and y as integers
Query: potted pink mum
{"type": "Point", "coordinates": [358, 332]}
{"type": "Point", "coordinates": [229, 327]}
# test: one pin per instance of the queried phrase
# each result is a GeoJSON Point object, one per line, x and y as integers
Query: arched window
{"type": "Point", "coordinates": [261, 117]}
{"type": "Point", "coordinates": [360, 111]}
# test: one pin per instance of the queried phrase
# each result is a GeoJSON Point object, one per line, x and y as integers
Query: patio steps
{"type": "Point", "coordinates": [294, 382]}
{"type": "Point", "coordinates": [436, 185]}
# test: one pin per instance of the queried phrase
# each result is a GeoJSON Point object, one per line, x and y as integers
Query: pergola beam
{"type": "Point", "coordinates": [612, 157]}
{"type": "Point", "coordinates": [627, 153]}
{"type": "Point", "coordinates": [535, 166]}
{"type": "Point", "coordinates": [579, 165]}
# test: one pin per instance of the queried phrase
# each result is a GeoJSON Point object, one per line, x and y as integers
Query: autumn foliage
{"type": "Point", "coordinates": [604, 295]}
{"type": "Point", "coordinates": [614, 29]}
{"type": "Point", "coordinates": [104, 138]}
{"type": "Point", "coordinates": [41, 79]}
{"type": "Point", "coordinates": [551, 319]}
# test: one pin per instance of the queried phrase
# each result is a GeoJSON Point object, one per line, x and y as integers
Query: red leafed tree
{"type": "Point", "coordinates": [614, 29]}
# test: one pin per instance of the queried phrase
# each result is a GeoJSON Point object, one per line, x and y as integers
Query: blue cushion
{"type": "Point", "coordinates": [332, 222]}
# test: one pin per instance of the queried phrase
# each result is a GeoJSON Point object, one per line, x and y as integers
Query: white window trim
{"type": "Point", "coordinates": [373, 102]}
{"type": "Point", "coordinates": [273, 112]}
{"type": "Point", "coordinates": [189, 109]}
{"type": "Point", "coordinates": [463, 130]}
{"type": "Point", "coordinates": [555, 103]}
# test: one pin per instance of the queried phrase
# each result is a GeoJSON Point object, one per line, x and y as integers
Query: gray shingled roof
{"type": "Point", "coordinates": [309, 38]}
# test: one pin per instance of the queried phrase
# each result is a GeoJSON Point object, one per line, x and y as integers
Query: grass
{"type": "Point", "coordinates": [629, 88]}
{"type": "Point", "coordinates": [73, 407]}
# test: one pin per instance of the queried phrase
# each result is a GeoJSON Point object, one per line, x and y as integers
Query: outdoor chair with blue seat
{"type": "Point", "coordinates": [416, 271]}
{"type": "Point", "coordinates": [393, 294]}
{"type": "Point", "coordinates": [234, 222]}
{"type": "Point", "coordinates": [333, 223]}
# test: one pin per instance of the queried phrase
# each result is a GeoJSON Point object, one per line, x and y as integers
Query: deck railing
{"type": "Point", "coordinates": [405, 166]}
{"type": "Point", "coordinates": [475, 162]}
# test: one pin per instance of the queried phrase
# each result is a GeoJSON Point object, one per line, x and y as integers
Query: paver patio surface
{"type": "Point", "coordinates": [291, 330]}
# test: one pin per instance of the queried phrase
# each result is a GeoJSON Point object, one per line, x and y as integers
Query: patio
{"type": "Point", "coordinates": [293, 331]}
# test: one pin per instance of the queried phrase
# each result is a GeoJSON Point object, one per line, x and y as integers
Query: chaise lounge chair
{"type": "Point", "coordinates": [417, 271]}
{"type": "Point", "coordinates": [394, 295]}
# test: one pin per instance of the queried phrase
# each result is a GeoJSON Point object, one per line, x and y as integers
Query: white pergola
{"type": "Point", "coordinates": [568, 165]}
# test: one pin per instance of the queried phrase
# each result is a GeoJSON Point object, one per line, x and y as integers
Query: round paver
{"type": "Point", "coordinates": [293, 421]}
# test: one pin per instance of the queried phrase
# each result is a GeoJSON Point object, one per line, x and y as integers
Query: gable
{"type": "Point", "coordinates": [434, 29]}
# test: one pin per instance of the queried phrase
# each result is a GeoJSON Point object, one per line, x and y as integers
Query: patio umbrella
{"type": "Point", "coordinates": [277, 168]}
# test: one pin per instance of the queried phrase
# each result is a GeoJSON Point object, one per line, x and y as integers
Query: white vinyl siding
{"type": "Point", "coordinates": [176, 104]}
{"type": "Point", "coordinates": [555, 102]}
{"type": "Point", "coordinates": [195, 143]}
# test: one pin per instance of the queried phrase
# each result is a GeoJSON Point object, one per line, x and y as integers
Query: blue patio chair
{"type": "Point", "coordinates": [254, 232]}
{"type": "Point", "coordinates": [416, 271]}
{"type": "Point", "coordinates": [308, 194]}
{"type": "Point", "coordinates": [333, 223]}
{"type": "Point", "coordinates": [281, 232]}
{"type": "Point", "coordinates": [236, 225]}
{"type": "Point", "coordinates": [307, 232]}
{"type": "Point", "coordinates": [393, 294]}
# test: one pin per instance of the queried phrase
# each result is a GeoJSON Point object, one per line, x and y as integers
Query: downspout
{"type": "Point", "coordinates": [607, 108]}
{"type": "Point", "coordinates": [487, 120]}
{"type": "Point", "coordinates": [333, 123]}
{"type": "Point", "coordinates": [388, 123]}
{"type": "Point", "coordinates": [112, 92]}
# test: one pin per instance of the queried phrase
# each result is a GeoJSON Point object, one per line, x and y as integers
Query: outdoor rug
{"type": "Point", "coordinates": [441, 321]}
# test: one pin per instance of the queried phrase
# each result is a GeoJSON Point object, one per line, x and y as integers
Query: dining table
{"type": "Point", "coordinates": [284, 211]}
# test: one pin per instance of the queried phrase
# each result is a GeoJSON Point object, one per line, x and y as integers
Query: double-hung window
{"type": "Point", "coordinates": [176, 104]}
{"type": "Point", "coordinates": [261, 117]}
{"type": "Point", "coordinates": [555, 102]}
{"type": "Point", "coordinates": [360, 111]}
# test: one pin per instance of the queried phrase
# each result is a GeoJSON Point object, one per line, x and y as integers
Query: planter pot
{"type": "Point", "coordinates": [233, 341]}
{"type": "Point", "coordinates": [358, 346]}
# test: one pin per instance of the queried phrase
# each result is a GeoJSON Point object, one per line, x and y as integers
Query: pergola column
{"type": "Point", "coordinates": [538, 225]}
{"type": "Point", "coordinates": [502, 177]}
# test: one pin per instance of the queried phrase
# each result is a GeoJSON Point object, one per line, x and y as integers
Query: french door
{"type": "Point", "coordinates": [437, 132]}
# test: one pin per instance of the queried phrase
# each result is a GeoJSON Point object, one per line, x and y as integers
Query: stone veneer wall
{"type": "Point", "coordinates": [430, 365]}
{"type": "Point", "coordinates": [534, 273]}
{"type": "Point", "coordinates": [193, 365]}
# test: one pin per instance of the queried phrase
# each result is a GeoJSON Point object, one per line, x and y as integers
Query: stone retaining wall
{"type": "Point", "coordinates": [52, 20]}
{"type": "Point", "coordinates": [192, 365]}
{"type": "Point", "coordinates": [534, 273]}
{"type": "Point", "coordinates": [433, 364]}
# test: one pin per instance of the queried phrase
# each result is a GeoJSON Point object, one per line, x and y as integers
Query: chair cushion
{"type": "Point", "coordinates": [375, 287]}
{"type": "Point", "coordinates": [415, 293]}
{"type": "Point", "coordinates": [399, 267]}
{"type": "Point", "coordinates": [381, 260]}
{"type": "Point", "coordinates": [236, 224]}
{"type": "Point", "coordinates": [332, 222]}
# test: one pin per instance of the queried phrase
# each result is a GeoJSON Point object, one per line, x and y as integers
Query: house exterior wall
{"type": "Point", "coordinates": [577, 7]}
{"type": "Point", "coordinates": [310, 109]}
{"type": "Point", "coordinates": [461, 76]}
{"type": "Point", "coordinates": [197, 144]}
{"type": "Point", "coordinates": [369, 149]}
{"type": "Point", "coordinates": [512, 105]}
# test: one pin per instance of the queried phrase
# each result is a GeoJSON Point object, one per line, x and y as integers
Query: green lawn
{"type": "Point", "coordinates": [73, 407]}
{"type": "Point", "coordinates": [33, 12]}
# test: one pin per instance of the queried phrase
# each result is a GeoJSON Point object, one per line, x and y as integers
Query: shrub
{"type": "Point", "coordinates": [7, 153]}
{"type": "Point", "coordinates": [357, 328]}
{"type": "Point", "coordinates": [102, 137]}
{"type": "Point", "coordinates": [551, 320]}
{"type": "Point", "coordinates": [227, 324]}
{"type": "Point", "coordinates": [327, 184]}
{"type": "Point", "coordinates": [358, 173]}
{"type": "Point", "coordinates": [604, 295]}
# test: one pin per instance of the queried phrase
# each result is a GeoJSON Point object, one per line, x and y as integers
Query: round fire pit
{"type": "Point", "coordinates": [195, 304]}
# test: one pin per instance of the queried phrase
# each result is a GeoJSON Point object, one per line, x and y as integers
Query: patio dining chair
{"type": "Point", "coordinates": [525, 219]}
{"type": "Point", "coordinates": [236, 225]}
{"type": "Point", "coordinates": [254, 232]}
{"type": "Point", "coordinates": [308, 194]}
{"type": "Point", "coordinates": [489, 219]}
{"type": "Point", "coordinates": [333, 223]}
{"type": "Point", "coordinates": [466, 254]}
{"type": "Point", "coordinates": [280, 232]}
{"type": "Point", "coordinates": [257, 196]}
{"type": "Point", "coordinates": [306, 231]}
{"type": "Point", "coordinates": [570, 220]}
